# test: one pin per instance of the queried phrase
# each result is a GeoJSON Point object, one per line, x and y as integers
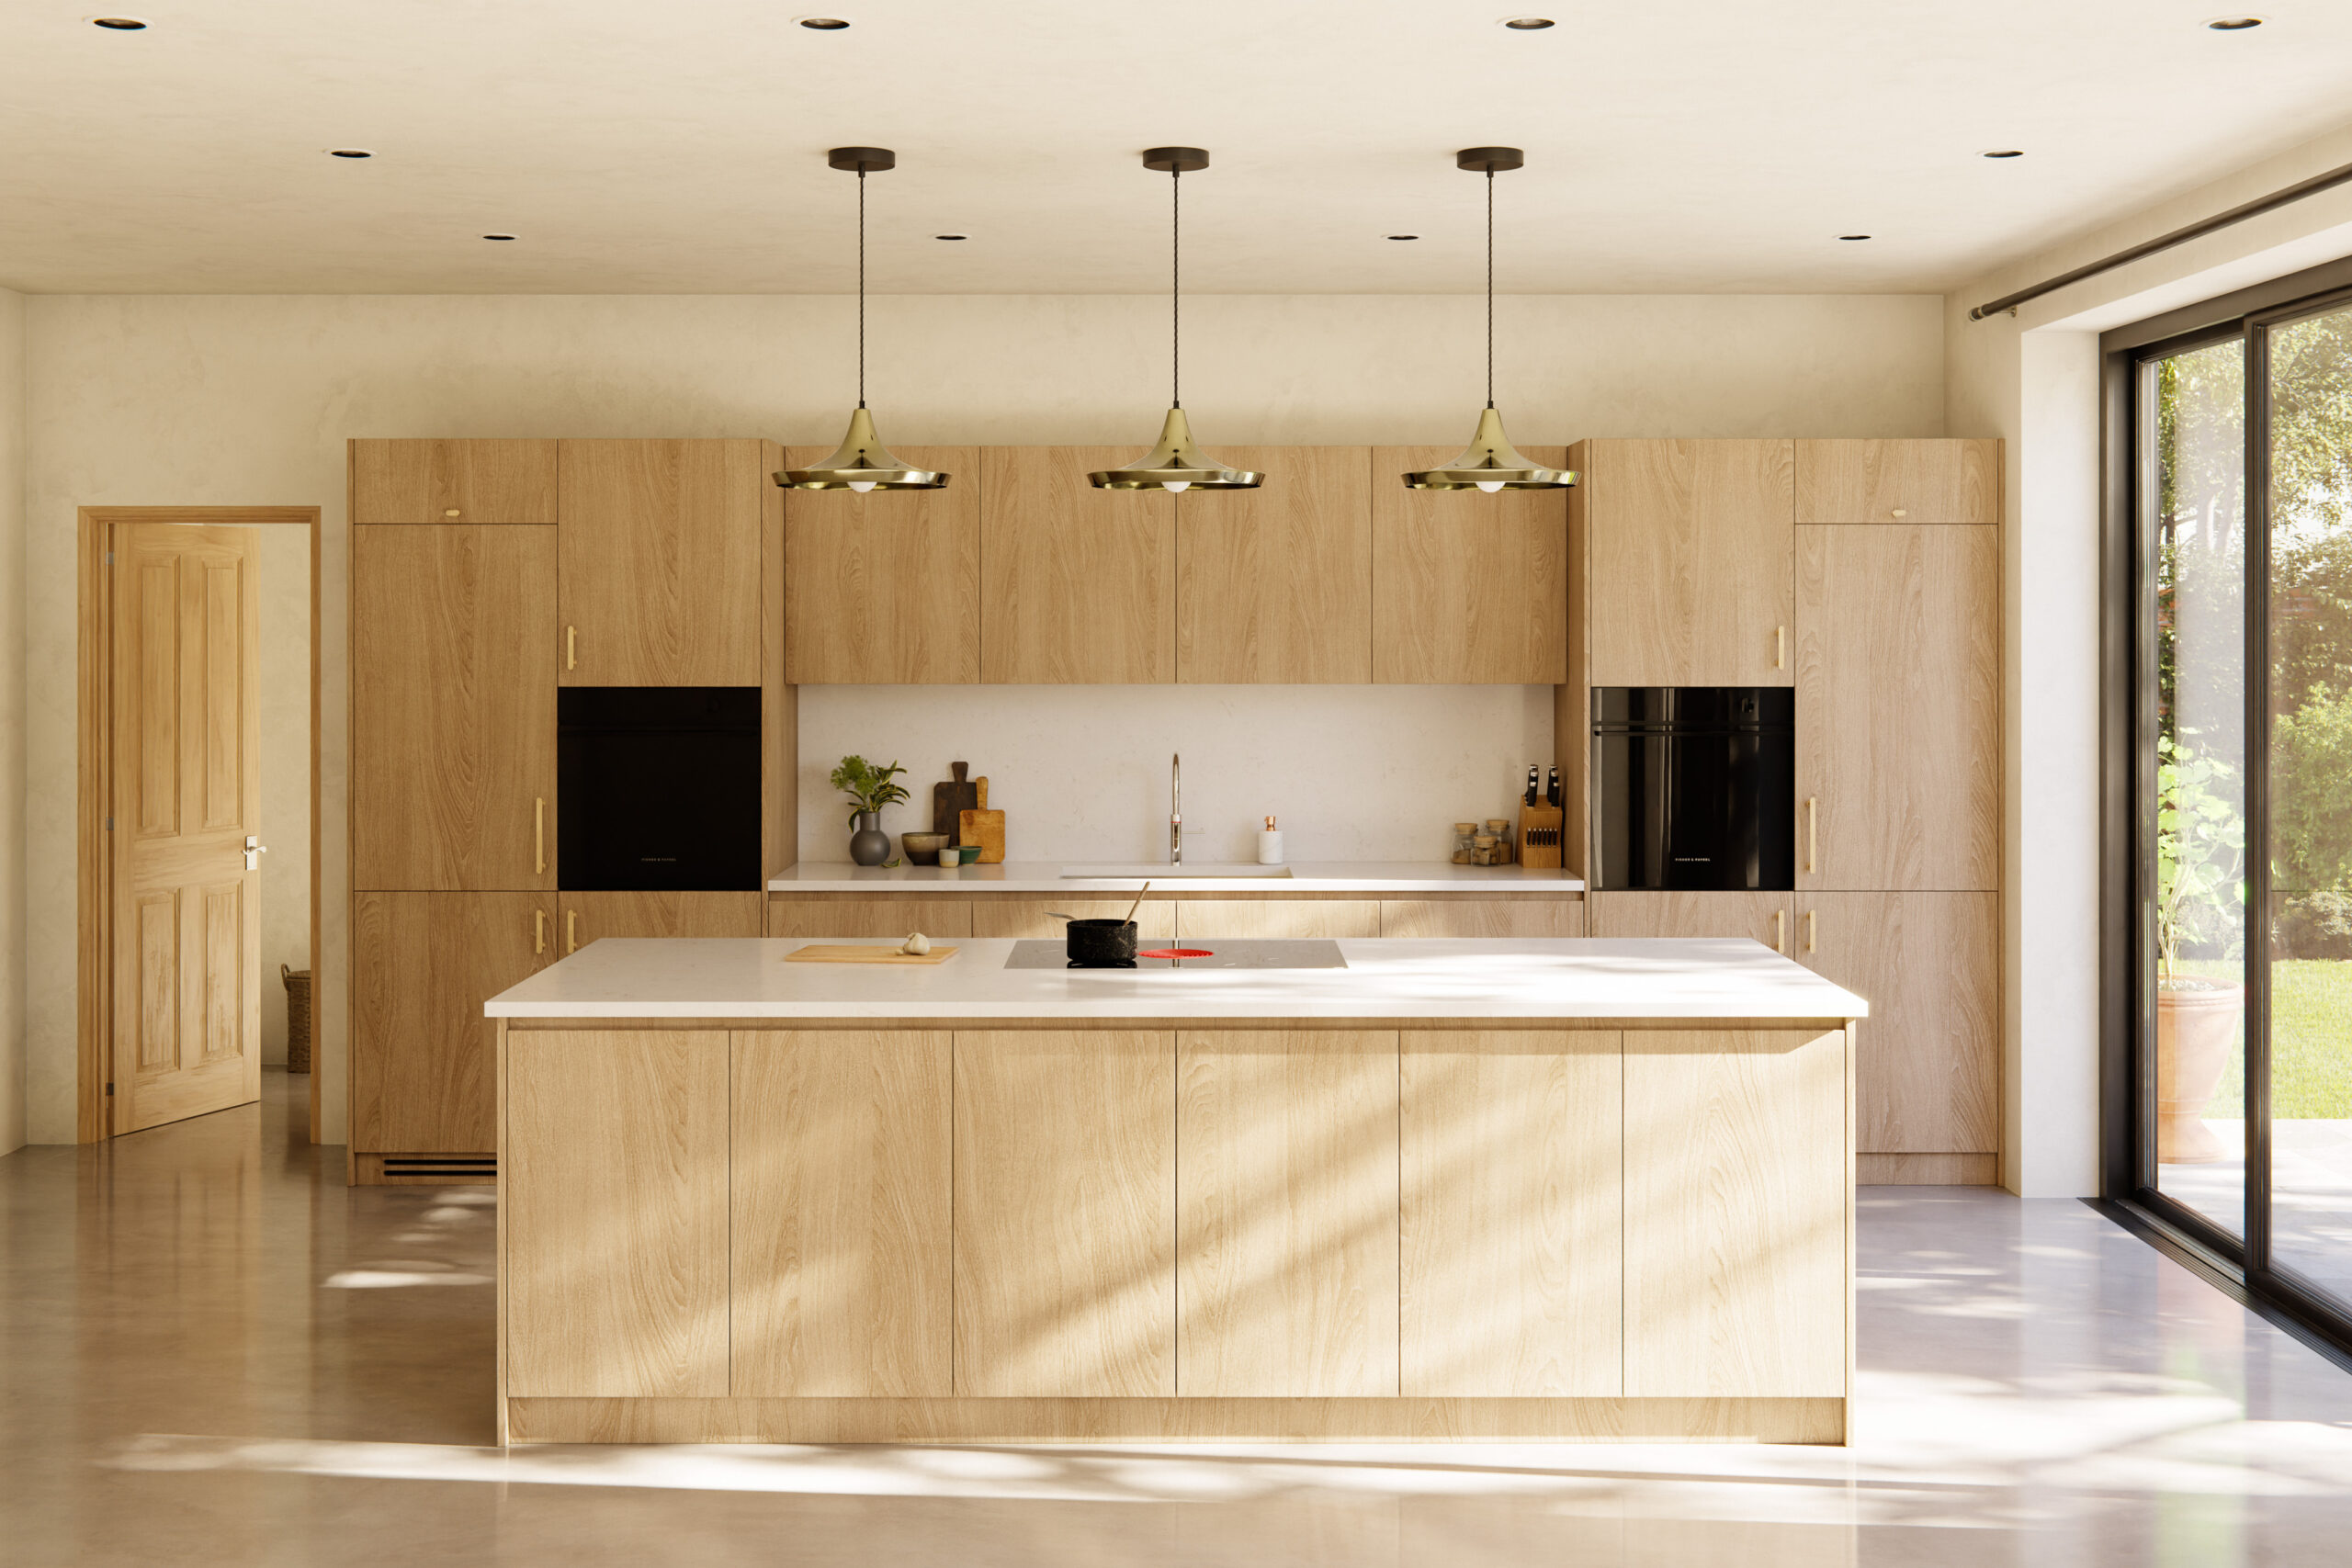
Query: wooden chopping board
{"type": "Point", "coordinates": [985, 829]}
{"type": "Point", "coordinates": [950, 799]}
{"type": "Point", "coordinates": [867, 955]}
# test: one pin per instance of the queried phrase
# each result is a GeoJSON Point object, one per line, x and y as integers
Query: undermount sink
{"type": "Point", "coordinates": [1164, 873]}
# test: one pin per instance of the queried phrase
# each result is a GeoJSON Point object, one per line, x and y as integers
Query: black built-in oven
{"type": "Point", "coordinates": [659, 788]}
{"type": "Point", "coordinates": [1694, 787]}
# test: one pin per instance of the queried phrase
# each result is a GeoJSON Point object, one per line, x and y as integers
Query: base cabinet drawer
{"type": "Point", "coordinates": [869, 917]}
{"type": "Point", "coordinates": [1482, 916]}
{"type": "Point", "coordinates": [1235, 918]}
{"type": "Point", "coordinates": [1034, 917]}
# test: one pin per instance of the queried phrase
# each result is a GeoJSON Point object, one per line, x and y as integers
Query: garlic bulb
{"type": "Point", "coordinates": [916, 944]}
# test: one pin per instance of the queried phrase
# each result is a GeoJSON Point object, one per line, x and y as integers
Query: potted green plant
{"type": "Point", "coordinates": [870, 789]}
{"type": "Point", "coordinates": [2200, 891]}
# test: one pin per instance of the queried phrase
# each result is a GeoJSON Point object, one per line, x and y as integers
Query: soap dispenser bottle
{"type": "Point", "coordinates": [1269, 844]}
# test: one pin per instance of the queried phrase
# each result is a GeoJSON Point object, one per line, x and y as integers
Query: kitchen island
{"type": "Point", "coordinates": [1450, 1189]}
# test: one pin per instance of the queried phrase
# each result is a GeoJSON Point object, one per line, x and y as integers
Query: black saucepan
{"type": "Point", "coordinates": [1102, 941]}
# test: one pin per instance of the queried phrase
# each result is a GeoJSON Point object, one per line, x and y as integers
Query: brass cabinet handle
{"type": "Point", "coordinates": [570, 931]}
{"type": "Point", "coordinates": [452, 512]}
{"type": "Point", "coordinates": [1901, 512]}
{"type": "Point", "coordinates": [538, 932]}
{"type": "Point", "coordinates": [1812, 834]}
{"type": "Point", "coordinates": [571, 648]}
{"type": "Point", "coordinates": [1810, 928]}
{"type": "Point", "coordinates": [1780, 932]}
{"type": "Point", "coordinates": [539, 835]}
{"type": "Point", "coordinates": [1779, 647]}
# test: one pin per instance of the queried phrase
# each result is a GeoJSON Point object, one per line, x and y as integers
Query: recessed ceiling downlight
{"type": "Point", "coordinates": [1404, 236]}
{"type": "Point", "coordinates": [2003, 152]}
{"type": "Point", "coordinates": [120, 24]}
{"type": "Point", "coordinates": [822, 23]}
{"type": "Point", "coordinates": [498, 236]}
{"type": "Point", "coordinates": [349, 152]}
{"type": "Point", "coordinates": [1853, 236]}
{"type": "Point", "coordinates": [1527, 24]}
{"type": "Point", "coordinates": [951, 236]}
{"type": "Point", "coordinates": [2234, 24]}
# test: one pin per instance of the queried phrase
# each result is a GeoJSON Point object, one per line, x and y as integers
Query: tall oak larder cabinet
{"type": "Point", "coordinates": [485, 575]}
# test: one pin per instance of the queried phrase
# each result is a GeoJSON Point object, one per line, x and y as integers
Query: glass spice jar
{"type": "Point", "coordinates": [1463, 833]}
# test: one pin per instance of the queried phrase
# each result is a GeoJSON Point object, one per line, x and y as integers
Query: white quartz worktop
{"type": "Point", "coordinates": [1369, 879]}
{"type": "Point", "coordinates": [1385, 979]}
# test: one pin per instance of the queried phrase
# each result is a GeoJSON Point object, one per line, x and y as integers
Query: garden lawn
{"type": "Point", "coordinates": [2311, 1040]}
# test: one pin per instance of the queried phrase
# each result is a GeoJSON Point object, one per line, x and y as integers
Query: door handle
{"type": "Point", "coordinates": [539, 836]}
{"type": "Point", "coordinates": [571, 648]}
{"type": "Point", "coordinates": [570, 931]}
{"type": "Point", "coordinates": [1779, 647]}
{"type": "Point", "coordinates": [538, 932]}
{"type": "Point", "coordinates": [1811, 834]}
{"type": "Point", "coordinates": [1780, 932]}
{"type": "Point", "coordinates": [1811, 916]}
{"type": "Point", "coordinates": [254, 850]}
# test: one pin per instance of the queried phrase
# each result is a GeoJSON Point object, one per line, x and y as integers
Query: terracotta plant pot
{"type": "Point", "coordinates": [2196, 1025]}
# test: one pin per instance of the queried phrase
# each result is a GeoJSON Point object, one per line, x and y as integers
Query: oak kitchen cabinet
{"type": "Point", "coordinates": [453, 481]}
{"type": "Point", "coordinates": [660, 561]}
{"type": "Point", "coordinates": [1899, 481]}
{"type": "Point", "coordinates": [1275, 585]}
{"type": "Point", "coordinates": [885, 588]}
{"type": "Point", "coordinates": [1079, 583]}
{"type": "Point", "coordinates": [453, 726]}
{"type": "Point", "coordinates": [588, 916]}
{"type": "Point", "coordinates": [1468, 589]}
{"type": "Point", "coordinates": [1688, 546]}
{"type": "Point", "coordinates": [1763, 916]}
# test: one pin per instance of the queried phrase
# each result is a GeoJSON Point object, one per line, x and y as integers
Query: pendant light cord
{"type": "Point", "coordinates": [1490, 286]}
{"type": "Point", "coordinates": [861, 290]}
{"type": "Point", "coordinates": [1176, 289]}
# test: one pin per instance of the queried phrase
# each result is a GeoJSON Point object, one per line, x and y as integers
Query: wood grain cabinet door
{"type": "Point", "coordinates": [1034, 917]}
{"type": "Point", "coordinates": [1065, 1215]}
{"type": "Point", "coordinates": [422, 1054]}
{"type": "Point", "coordinates": [588, 916]}
{"type": "Point", "coordinates": [1739, 1188]}
{"type": "Point", "coordinates": [1275, 585]}
{"type": "Point", "coordinates": [841, 1198]}
{"type": "Point", "coordinates": [1235, 918]}
{"type": "Point", "coordinates": [1467, 588]}
{"type": "Point", "coordinates": [1482, 916]}
{"type": "Point", "coordinates": [1079, 583]}
{"type": "Point", "coordinates": [1511, 1146]}
{"type": "Point", "coordinates": [1927, 1061]}
{"type": "Point", "coordinates": [1688, 549]}
{"type": "Point", "coordinates": [453, 684]}
{"type": "Point", "coordinates": [1946, 482]}
{"type": "Point", "coordinates": [1287, 1215]}
{"type": "Point", "coordinates": [614, 1176]}
{"type": "Point", "coordinates": [1761, 916]}
{"type": "Point", "coordinates": [436, 482]}
{"type": "Point", "coordinates": [872, 916]}
{"type": "Point", "coordinates": [1898, 769]}
{"type": "Point", "coordinates": [660, 570]}
{"type": "Point", "coordinates": [885, 588]}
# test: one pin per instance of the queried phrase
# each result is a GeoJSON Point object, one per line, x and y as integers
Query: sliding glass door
{"type": "Point", "coordinates": [2244, 794]}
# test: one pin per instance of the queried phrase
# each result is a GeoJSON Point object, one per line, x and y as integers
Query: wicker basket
{"type": "Point", "coordinates": [297, 1017]}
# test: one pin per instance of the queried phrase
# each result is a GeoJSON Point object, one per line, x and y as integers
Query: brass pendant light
{"type": "Point", "coordinates": [1175, 465]}
{"type": "Point", "coordinates": [860, 463]}
{"type": "Point", "coordinates": [1490, 462]}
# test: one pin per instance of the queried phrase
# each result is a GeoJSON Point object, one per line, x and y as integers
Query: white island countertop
{"type": "Point", "coordinates": [1368, 879]}
{"type": "Point", "coordinates": [1385, 979]}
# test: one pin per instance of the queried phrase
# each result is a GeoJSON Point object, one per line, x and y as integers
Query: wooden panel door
{"type": "Point", "coordinates": [1763, 916]}
{"type": "Point", "coordinates": [661, 571]}
{"type": "Point", "coordinates": [1689, 550]}
{"type": "Point", "coordinates": [1946, 482]}
{"type": "Point", "coordinates": [1155, 921]}
{"type": "Point", "coordinates": [436, 482]}
{"type": "Point", "coordinates": [1898, 700]}
{"type": "Point", "coordinates": [842, 1196]}
{"type": "Point", "coordinates": [1275, 583]}
{"type": "Point", "coordinates": [1467, 588]}
{"type": "Point", "coordinates": [453, 682]}
{"type": "Point", "coordinates": [587, 916]}
{"type": "Point", "coordinates": [1065, 1215]}
{"type": "Point", "coordinates": [1739, 1187]}
{"type": "Point", "coordinates": [1482, 916]}
{"type": "Point", "coordinates": [1512, 1220]}
{"type": "Point", "coordinates": [422, 1057]}
{"type": "Point", "coordinates": [885, 588]}
{"type": "Point", "coordinates": [1080, 582]}
{"type": "Point", "coordinates": [1287, 1215]}
{"type": "Point", "coordinates": [614, 1175]}
{"type": "Point", "coordinates": [869, 917]}
{"type": "Point", "coordinates": [1927, 1060]}
{"type": "Point", "coordinates": [186, 897]}
{"type": "Point", "coordinates": [1237, 918]}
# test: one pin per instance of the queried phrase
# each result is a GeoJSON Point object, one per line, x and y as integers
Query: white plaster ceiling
{"type": "Point", "coordinates": [635, 146]}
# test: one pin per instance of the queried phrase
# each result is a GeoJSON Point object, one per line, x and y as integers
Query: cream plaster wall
{"type": "Point", "coordinates": [12, 721]}
{"type": "Point", "coordinates": [147, 400]}
{"type": "Point", "coordinates": [2032, 378]}
{"type": "Point", "coordinates": [284, 772]}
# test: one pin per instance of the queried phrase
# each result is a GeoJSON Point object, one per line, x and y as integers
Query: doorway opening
{"type": "Point", "coordinates": [198, 822]}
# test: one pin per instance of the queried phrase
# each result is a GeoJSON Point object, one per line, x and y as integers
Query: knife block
{"type": "Point", "coordinates": [1541, 830]}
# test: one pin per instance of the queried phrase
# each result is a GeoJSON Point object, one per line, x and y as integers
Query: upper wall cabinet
{"type": "Point", "coordinates": [1691, 546]}
{"type": "Point", "coordinates": [1467, 588]}
{"type": "Point", "coordinates": [1275, 585]}
{"type": "Point", "coordinates": [885, 588]}
{"type": "Point", "coordinates": [453, 481]}
{"type": "Point", "coordinates": [1899, 481]}
{"type": "Point", "coordinates": [1079, 583]}
{"type": "Point", "coordinates": [660, 561]}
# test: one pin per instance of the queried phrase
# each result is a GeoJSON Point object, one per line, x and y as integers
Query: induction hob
{"type": "Point", "coordinates": [1244, 952]}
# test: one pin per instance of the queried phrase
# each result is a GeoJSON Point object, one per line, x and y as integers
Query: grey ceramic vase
{"type": "Point", "coordinates": [869, 845]}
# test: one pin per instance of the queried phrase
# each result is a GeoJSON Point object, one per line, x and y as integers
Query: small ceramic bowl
{"type": "Point", "coordinates": [922, 848]}
{"type": "Point", "coordinates": [968, 853]}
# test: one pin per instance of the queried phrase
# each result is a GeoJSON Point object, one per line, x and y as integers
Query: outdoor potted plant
{"type": "Point", "coordinates": [869, 789]}
{"type": "Point", "coordinates": [2201, 889]}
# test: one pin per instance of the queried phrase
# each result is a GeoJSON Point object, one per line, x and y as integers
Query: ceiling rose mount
{"type": "Point", "coordinates": [860, 463]}
{"type": "Point", "coordinates": [1175, 464]}
{"type": "Point", "coordinates": [1490, 463]}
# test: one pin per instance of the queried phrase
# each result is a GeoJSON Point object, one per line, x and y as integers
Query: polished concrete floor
{"type": "Point", "coordinates": [212, 1352]}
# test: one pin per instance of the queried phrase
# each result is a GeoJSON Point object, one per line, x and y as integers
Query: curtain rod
{"type": "Point", "coordinates": [2203, 226]}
